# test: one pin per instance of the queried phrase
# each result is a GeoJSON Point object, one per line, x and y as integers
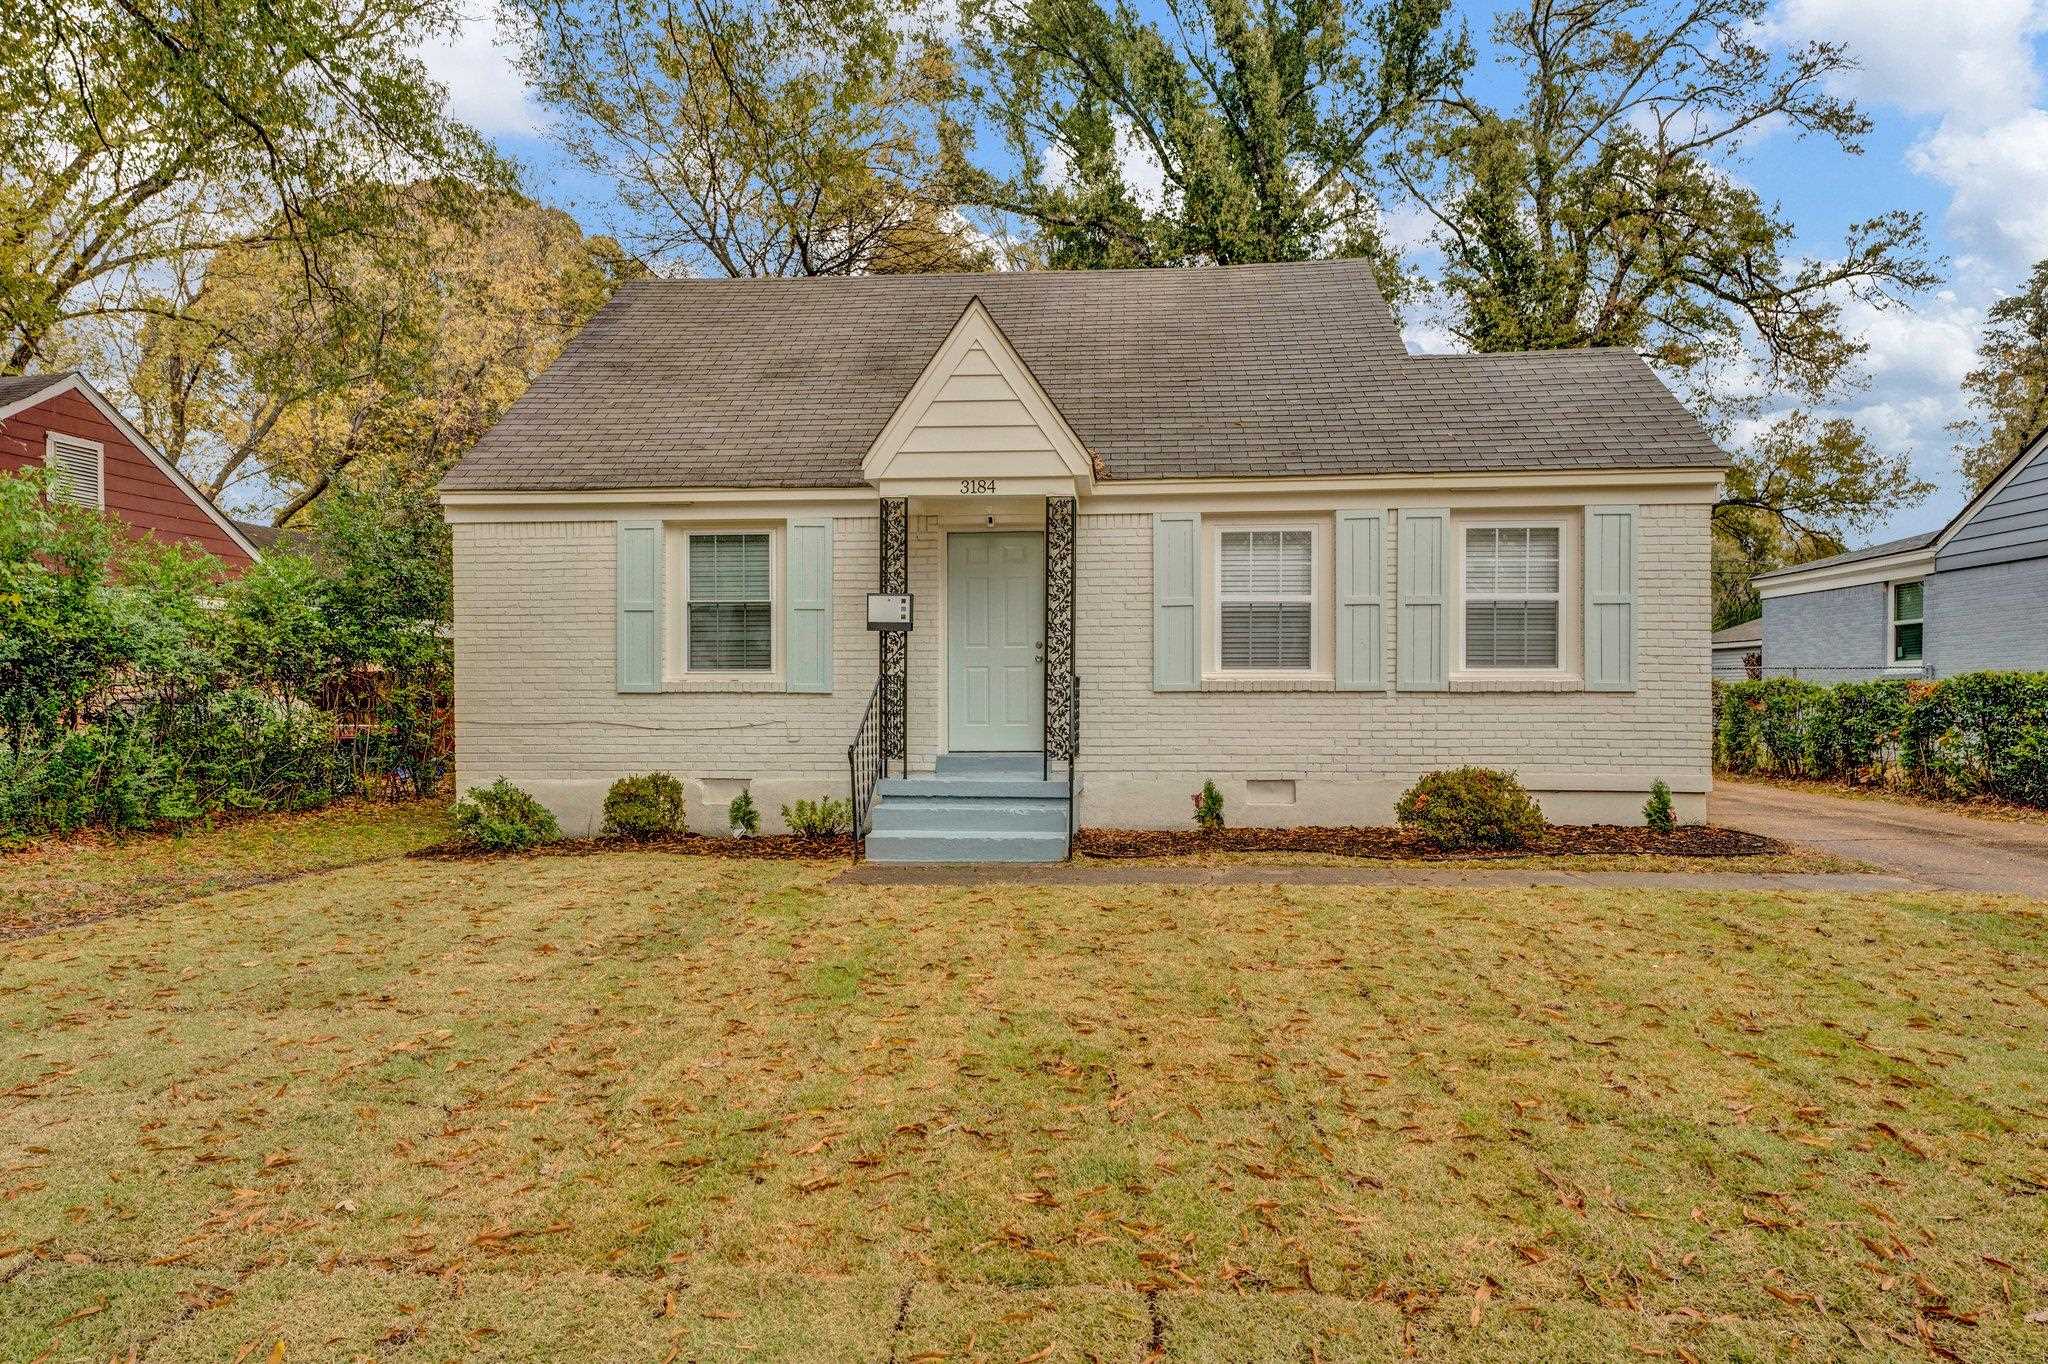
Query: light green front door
{"type": "Point", "coordinates": [995, 642]}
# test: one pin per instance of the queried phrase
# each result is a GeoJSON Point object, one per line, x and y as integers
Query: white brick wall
{"type": "Point", "coordinates": [536, 700]}
{"type": "Point", "coordinates": [1352, 753]}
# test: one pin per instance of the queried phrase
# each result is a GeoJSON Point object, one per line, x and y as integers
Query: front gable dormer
{"type": "Point", "coordinates": [977, 417]}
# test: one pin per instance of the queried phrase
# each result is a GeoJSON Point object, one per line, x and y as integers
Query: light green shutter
{"type": "Point", "coordinates": [1423, 646]}
{"type": "Point", "coordinates": [808, 653]}
{"type": "Point", "coordinates": [1176, 618]}
{"type": "Point", "coordinates": [1361, 641]}
{"type": "Point", "coordinates": [639, 632]}
{"type": "Point", "coordinates": [1610, 598]}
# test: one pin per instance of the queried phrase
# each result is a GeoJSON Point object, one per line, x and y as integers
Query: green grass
{"type": "Point", "coordinates": [59, 880]}
{"type": "Point", "coordinates": [637, 1106]}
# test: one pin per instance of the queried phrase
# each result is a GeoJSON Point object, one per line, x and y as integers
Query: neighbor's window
{"type": "Point", "coordinates": [1513, 596]}
{"type": "Point", "coordinates": [1908, 605]}
{"type": "Point", "coordinates": [731, 608]}
{"type": "Point", "coordinates": [1266, 599]}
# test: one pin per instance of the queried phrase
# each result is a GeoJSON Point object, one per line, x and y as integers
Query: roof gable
{"type": "Point", "coordinates": [135, 495]}
{"type": "Point", "coordinates": [2007, 521]}
{"type": "Point", "coordinates": [976, 412]}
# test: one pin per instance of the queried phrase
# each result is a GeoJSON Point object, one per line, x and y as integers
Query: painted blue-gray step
{"type": "Point", "coordinates": [991, 765]}
{"type": "Point", "coordinates": [899, 846]}
{"type": "Point", "coordinates": [955, 814]}
{"type": "Point", "coordinates": [984, 788]}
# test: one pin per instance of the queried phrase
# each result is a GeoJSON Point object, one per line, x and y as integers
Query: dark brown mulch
{"type": "Point", "coordinates": [1390, 843]}
{"type": "Point", "coordinates": [762, 847]}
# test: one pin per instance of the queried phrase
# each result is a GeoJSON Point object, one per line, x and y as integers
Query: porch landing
{"type": "Point", "coordinates": [974, 807]}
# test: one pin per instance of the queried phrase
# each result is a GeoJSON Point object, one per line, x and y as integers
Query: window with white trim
{"type": "Point", "coordinates": [1265, 600]}
{"type": "Point", "coordinates": [1513, 597]}
{"type": "Point", "coordinates": [79, 467]}
{"type": "Point", "coordinates": [729, 602]}
{"type": "Point", "coordinates": [1909, 606]}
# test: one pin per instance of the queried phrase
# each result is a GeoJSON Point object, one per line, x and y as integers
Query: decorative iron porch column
{"type": "Point", "coordinates": [1061, 524]}
{"type": "Point", "coordinates": [895, 518]}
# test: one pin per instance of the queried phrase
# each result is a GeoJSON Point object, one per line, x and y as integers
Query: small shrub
{"type": "Point", "coordinates": [1208, 808]}
{"type": "Point", "coordinates": [1470, 807]}
{"type": "Point", "coordinates": [820, 818]}
{"type": "Point", "coordinates": [1657, 810]}
{"type": "Point", "coordinates": [741, 814]}
{"type": "Point", "coordinates": [646, 806]}
{"type": "Point", "coordinates": [502, 818]}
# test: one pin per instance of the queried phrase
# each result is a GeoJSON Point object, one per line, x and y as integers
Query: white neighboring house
{"type": "Point", "coordinates": [1221, 514]}
{"type": "Point", "coordinates": [1969, 597]}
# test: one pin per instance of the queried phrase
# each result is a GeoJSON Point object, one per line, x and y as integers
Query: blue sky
{"type": "Point", "coordinates": [1956, 88]}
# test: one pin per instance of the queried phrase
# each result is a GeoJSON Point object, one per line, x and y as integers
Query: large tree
{"type": "Point", "coordinates": [2008, 390]}
{"type": "Point", "coordinates": [1802, 486]}
{"type": "Point", "coordinates": [758, 137]}
{"type": "Point", "coordinates": [424, 343]}
{"type": "Point", "coordinates": [139, 133]}
{"type": "Point", "coordinates": [1600, 206]}
{"type": "Point", "coordinates": [1215, 131]}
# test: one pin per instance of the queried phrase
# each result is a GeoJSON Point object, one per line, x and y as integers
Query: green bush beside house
{"type": "Point", "coordinates": [1972, 735]}
{"type": "Point", "coordinates": [140, 685]}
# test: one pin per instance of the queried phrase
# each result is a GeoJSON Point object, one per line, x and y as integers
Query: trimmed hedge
{"type": "Point", "coordinates": [1977, 734]}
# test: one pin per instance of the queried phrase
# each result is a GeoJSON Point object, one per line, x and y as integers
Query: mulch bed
{"type": "Point", "coordinates": [1397, 844]}
{"type": "Point", "coordinates": [1380, 844]}
{"type": "Point", "coordinates": [761, 847]}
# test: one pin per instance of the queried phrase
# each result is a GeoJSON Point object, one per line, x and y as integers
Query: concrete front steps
{"type": "Point", "coordinates": [975, 807]}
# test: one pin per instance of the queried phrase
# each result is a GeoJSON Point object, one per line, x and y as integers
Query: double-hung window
{"type": "Point", "coordinates": [1909, 606]}
{"type": "Point", "coordinates": [1513, 597]}
{"type": "Point", "coordinates": [730, 606]}
{"type": "Point", "coordinates": [1266, 599]}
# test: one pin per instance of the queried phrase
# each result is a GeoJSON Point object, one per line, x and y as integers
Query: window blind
{"type": "Point", "coordinates": [1267, 580]}
{"type": "Point", "coordinates": [731, 607]}
{"type": "Point", "coordinates": [1512, 577]}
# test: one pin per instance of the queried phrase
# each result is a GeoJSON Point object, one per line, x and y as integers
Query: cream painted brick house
{"type": "Point", "coordinates": [1151, 528]}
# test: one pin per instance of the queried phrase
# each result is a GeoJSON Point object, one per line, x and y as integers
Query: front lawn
{"type": "Point", "coordinates": [643, 1106]}
{"type": "Point", "coordinates": [61, 880]}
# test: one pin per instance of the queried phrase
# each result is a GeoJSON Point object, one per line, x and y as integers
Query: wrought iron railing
{"type": "Point", "coordinates": [1073, 758]}
{"type": "Point", "coordinates": [867, 762]}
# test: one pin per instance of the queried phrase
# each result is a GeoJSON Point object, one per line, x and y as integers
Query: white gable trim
{"type": "Point", "coordinates": [889, 462]}
{"type": "Point", "coordinates": [74, 384]}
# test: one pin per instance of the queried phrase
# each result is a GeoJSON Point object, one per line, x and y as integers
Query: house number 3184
{"type": "Point", "coordinates": [970, 486]}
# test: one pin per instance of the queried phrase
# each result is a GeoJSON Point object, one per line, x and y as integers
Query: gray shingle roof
{"type": "Point", "coordinates": [1903, 545]}
{"type": "Point", "coordinates": [15, 387]}
{"type": "Point", "coordinates": [1748, 632]}
{"type": "Point", "coordinates": [1248, 371]}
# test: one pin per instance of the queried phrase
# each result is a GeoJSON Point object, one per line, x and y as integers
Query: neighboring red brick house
{"type": "Point", "coordinates": [60, 421]}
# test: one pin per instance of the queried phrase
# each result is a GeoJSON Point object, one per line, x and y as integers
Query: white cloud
{"type": "Point", "coordinates": [1998, 178]}
{"type": "Point", "coordinates": [1967, 67]}
{"type": "Point", "coordinates": [1929, 57]}
{"type": "Point", "coordinates": [1971, 66]}
{"type": "Point", "coordinates": [484, 87]}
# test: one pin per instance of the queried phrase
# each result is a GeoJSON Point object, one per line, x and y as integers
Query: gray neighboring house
{"type": "Point", "coordinates": [1734, 647]}
{"type": "Point", "coordinates": [1221, 516]}
{"type": "Point", "coordinates": [1968, 597]}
